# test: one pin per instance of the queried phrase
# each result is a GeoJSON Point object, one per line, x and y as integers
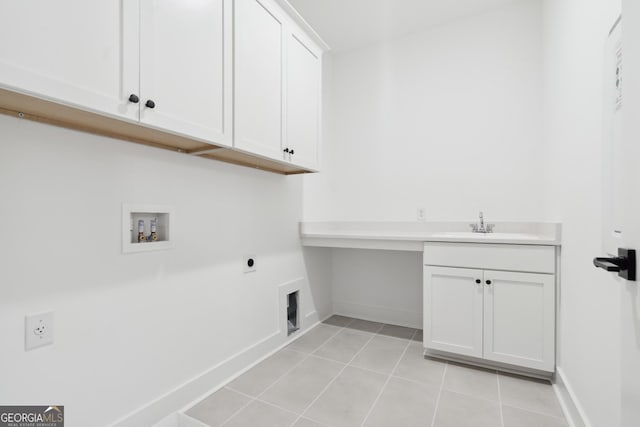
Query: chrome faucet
{"type": "Point", "coordinates": [482, 227]}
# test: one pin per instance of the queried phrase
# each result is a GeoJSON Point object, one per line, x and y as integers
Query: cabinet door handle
{"type": "Point", "coordinates": [150, 104]}
{"type": "Point", "coordinates": [291, 151]}
{"type": "Point", "coordinates": [478, 281]}
{"type": "Point", "coordinates": [134, 98]}
{"type": "Point", "coordinates": [286, 150]}
{"type": "Point", "coordinates": [488, 282]}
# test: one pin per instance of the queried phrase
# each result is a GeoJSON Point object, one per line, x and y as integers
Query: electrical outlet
{"type": "Point", "coordinates": [249, 263]}
{"type": "Point", "coordinates": [38, 330]}
{"type": "Point", "coordinates": [421, 214]}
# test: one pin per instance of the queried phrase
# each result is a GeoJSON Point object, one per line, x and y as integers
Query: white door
{"type": "Point", "coordinates": [186, 66]}
{"type": "Point", "coordinates": [303, 74]}
{"type": "Point", "coordinates": [258, 78]}
{"type": "Point", "coordinates": [78, 52]}
{"type": "Point", "coordinates": [519, 325]}
{"type": "Point", "coordinates": [453, 310]}
{"type": "Point", "coordinates": [630, 291]}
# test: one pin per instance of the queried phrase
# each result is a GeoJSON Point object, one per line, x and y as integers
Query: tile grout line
{"type": "Point", "coordinates": [238, 411]}
{"type": "Point", "coordinates": [435, 410]}
{"type": "Point", "coordinates": [384, 386]}
{"type": "Point", "coordinates": [411, 380]}
{"type": "Point", "coordinates": [374, 371]}
{"type": "Point", "coordinates": [533, 411]}
{"type": "Point", "coordinates": [341, 328]}
{"type": "Point", "coordinates": [500, 399]}
{"type": "Point", "coordinates": [307, 355]}
{"type": "Point", "coordinates": [257, 398]}
{"type": "Point", "coordinates": [264, 401]}
{"type": "Point", "coordinates": [471, 395]}
{"type": "Point", "coordinates": [336, 377]}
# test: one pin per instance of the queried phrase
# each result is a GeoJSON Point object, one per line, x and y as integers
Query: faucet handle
{"type": "Point", "coordinates": [490, 227]}
{"type": "Point", "coordinates": [474, 227]}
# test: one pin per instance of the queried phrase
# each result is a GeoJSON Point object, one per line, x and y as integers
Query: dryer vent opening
{"type": "Point", "coordinates": [293, 318]}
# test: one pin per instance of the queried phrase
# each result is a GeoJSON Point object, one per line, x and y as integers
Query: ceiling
{"type": "Point", "coordinates": [346, 24]}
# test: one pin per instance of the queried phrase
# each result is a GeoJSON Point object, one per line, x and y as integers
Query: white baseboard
{"type": "Point", "coordinates": [388, 315]}
{"type": "Point", "coordinates": [311, 318]}
{"type": "Point", "coordinates": [165, 410]}
{"type": "Point", "coordinates": [573, 411]}
{"type": "Point", "coordinates": [180, 396]}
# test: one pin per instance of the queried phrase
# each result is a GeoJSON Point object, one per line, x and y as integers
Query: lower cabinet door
{"type": "Point", "coordinates": [519, 319]}
{"type": "Point", "coordinates": [453, 304]}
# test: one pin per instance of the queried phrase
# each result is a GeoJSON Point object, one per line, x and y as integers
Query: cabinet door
{"type": "Point", "coordinates": [303, 77]}
{"type": "Point", "coordinates": [185, 67]}
{"type": "Point", "coordinates": [258, 78]}
{"type": "Point", "coordinates": [453, 310]}
{"type": "Point", "coordinates": [78, 52]}
{"type": "Point", "coordinates": [519, 318]}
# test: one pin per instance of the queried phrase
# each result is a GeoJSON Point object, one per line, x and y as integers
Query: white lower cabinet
{"type": "Point", "coordinates": [519, 325]}
{"type": "Point", "coordinates": [453, 310]}
{"type": "Point", "coordinates": [500, 316]}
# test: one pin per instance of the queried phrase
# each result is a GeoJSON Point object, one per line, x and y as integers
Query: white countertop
{"type": "Point", "coordinates": [410, 236]}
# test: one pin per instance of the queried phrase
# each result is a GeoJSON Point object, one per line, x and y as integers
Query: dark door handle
{"type": "Point", "coordinates": [610, 264]}
{"type": "Point", "coordinates": [150, 104]}
{"type": "Point", "coordinates": [624, 264]}
{"type": "Point", "coordinates": [134, 98]}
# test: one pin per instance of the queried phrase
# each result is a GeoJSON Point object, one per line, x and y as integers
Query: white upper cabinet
{"type": "Point", "coordinates": [82, 53]}
{"type": "Point", "coordinates": [194, 76]}
{"type": "Point", "coordinates": [303, 74]}
{"type": "Point", "coordinates": [258, 78]}
{"type": "Point", "coordinates": [114, 56]}
{"type": "Point", "coordinates": [277, 85]}
{"type": "Point", "coordinates": [186, 66]}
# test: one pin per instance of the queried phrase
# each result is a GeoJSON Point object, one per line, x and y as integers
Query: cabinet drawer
{"type": "Point", "coordinates": [529, 258]}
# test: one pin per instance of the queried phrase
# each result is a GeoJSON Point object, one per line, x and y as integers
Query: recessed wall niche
{"type": "Point", "coordinates": [146, 227]}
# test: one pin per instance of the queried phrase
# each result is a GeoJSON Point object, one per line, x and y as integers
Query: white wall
{"type": "Point", "coordinates": [575, 32]}
{"type": "Point", "coordinates": [500, 112]}
{"type": "Point", "coordinates": [448, 119]}
{"type": "Point", "coordinates": [384, 286]}
{"type": "Point", "coordinates": [129, 328]}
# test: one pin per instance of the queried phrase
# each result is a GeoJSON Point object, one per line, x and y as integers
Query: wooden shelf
{"type": "Point", "coordinates": [45, 111]}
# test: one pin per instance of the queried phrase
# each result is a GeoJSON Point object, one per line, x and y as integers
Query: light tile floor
{"type": "Point", "coordinates": [351, 372]}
